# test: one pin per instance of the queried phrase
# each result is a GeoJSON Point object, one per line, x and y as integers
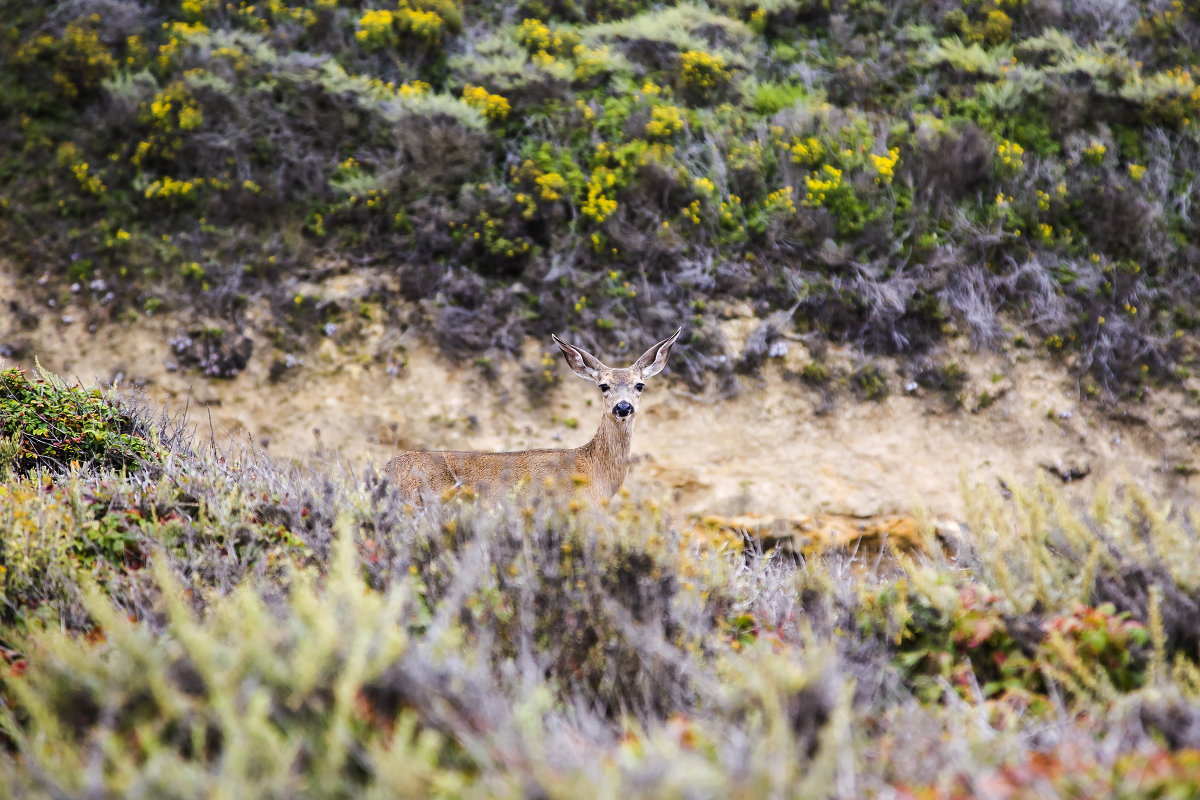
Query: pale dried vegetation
{"type": "Point", "coordinates": [208, 622]}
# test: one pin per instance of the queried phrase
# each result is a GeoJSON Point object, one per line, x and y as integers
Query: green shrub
{"type": "Point", "coordinates": [53, 425]}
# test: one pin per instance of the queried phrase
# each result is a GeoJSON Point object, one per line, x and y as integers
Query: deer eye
{"type": "Point", "coordinates": [604, 387]}
{"type": "Point", "coordinates": [640, 386]}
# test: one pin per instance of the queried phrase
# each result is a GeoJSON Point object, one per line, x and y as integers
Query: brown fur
{"type": "Point", "coordinates": [600, 464]}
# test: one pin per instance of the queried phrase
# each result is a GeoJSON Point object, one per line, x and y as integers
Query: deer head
{"type": "Point", "coordinates": [620, 387]}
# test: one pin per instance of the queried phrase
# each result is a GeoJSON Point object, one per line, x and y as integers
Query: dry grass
{"type": "Point", "coordinates": [293, 633]}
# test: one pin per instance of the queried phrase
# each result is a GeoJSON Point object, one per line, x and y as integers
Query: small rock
{"type": "Point", "coordinates": [910, 387]}
{"type": "Point", "coordinates": [76, 287]}
{"type": "Point", "coordinates": [1068, 472]}
{"type": "Point", "coordinates": [98, 285]}
{"type": "Point", "coordinates": [778, 349]}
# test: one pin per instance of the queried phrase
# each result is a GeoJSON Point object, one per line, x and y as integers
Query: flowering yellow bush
{"type": "Point", "coordinates": [598, 206]}
{"type": "Point", "coordinates": [81, 61]}
{"type": "Point", "coordinates": [820, 184]}
{"type": "Point", "coordinates": [169, 188]}
{"type": "Point", "coordinates": [174, 108]}
{"type": "Point", "coordinates": [1094, 153]}
{"type": "Point", "coordinates": [1011, 155]}
{"type": "Point", "coordinates": [376, 28]}
{"type": "Point", "coordinates": [781, 201]}
{"type": "Point", "coordinates": [998, 27]}
{"type": "Point", "coordinates": [731, 212]}
{"type": "Point", "coordinates": [806, 151]}
{"type": "Point", "coordinates": [425, 25]}
{"type": "Point", "coordinates": [665, 121]}
{"type": "Point", "coordinates": [413, 89]}
{"type": "Point", "coordinates": [543, 42]}
{"type": "Point", "coordinates": [90, 182]}
{"type": "Point", "coordinates": [493, 106]}
{"type": "Point", "coordinates": [701, 70]}
{"type": "Point", "coordinates": [1137, 172]}
{"type": "Point", "coordinates": [196, 10]}
{"type": "Point", "coordinates": [379, 27]}
{"type": "Point", "coordinates": [68, 156]}
{"type": "Point", "coordinates": [552, 185]}
{"type": "Point", "coordinates": [885, 165]}
{"type": "Point", "coordinates": [535, 35]}
{"type": "Point", "coordinates": [180, 33]}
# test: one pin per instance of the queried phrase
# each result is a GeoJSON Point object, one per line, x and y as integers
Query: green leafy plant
{"type": "Point", "coordinates": [48, 423]}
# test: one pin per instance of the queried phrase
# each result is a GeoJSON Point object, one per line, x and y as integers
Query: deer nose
{"type": "Point", "coordinates": [623, 409]}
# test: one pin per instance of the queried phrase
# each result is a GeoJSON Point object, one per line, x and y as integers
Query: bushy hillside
{"type": "Point", "coordinates": [200, 623]}
{"type": "Point", "coordinates": [886, 173]}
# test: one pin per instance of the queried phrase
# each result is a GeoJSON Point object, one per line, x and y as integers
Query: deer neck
{"type": "Point", "coordinates": [608, 454]}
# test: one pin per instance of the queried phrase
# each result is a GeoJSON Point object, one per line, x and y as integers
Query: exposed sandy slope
{"type": "Point", "coordinates": [765, 451]}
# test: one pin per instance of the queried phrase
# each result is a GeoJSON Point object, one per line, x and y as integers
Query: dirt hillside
{"type": "Point", "coordinates": [777, 447]}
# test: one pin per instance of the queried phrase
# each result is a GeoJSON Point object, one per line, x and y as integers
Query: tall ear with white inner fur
{"type": "Point", "coordinates": [654, 359]}
{"type": "Point", "coordinates": [581, 362]}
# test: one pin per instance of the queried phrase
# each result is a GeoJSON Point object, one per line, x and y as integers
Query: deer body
{"type": "Point", "coordinates": [600, 464]}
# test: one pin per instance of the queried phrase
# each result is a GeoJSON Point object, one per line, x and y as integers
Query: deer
{"type": "Point", "coordinates": [599, 466]}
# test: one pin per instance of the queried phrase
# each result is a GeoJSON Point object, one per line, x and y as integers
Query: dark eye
{"type": "Point", "coordinates": [604, 387]}
{"type": "Point", "coordinates": [640, 386]}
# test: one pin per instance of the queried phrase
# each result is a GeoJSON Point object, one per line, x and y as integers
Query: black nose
{"type": "Point", "coordinates": [622, 409]}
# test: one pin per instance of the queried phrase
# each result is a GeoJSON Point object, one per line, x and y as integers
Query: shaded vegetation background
{"type": "Point", "coordinates": [177, 621]}
{"type": "Point", "coordinates": [887, 174]}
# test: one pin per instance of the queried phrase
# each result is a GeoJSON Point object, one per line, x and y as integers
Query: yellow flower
{"type": "Point", "coordinates": [1094, 153]}
{"type": "Point", "coordinates": [1011, 154]}
{"type": "Point", "coordinates": [493, 106]}
{"type": "Point", "coordinates": [664, 122]}
{"type": "Point", "coordinates": [701, 70]}
{"type": "Point", "coordinates": [375, 27]}
{"type": "Point", "coordinates": [807, 151]}
{"type": "Point", "coordinates": [599, 206]}
{"type": "Point", "coordinates": [886, 165]}
{"type": "Point", "coordinates": [552, 185]}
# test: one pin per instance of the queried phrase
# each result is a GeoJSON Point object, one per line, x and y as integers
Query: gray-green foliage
{"type": "Point", "coordinates": [297, 634]}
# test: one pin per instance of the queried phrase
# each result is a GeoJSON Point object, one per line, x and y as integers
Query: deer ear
{"type": "Point", "coordinates": [654, 359]}
{"type": "Point", "coordinates": [581, 362]}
